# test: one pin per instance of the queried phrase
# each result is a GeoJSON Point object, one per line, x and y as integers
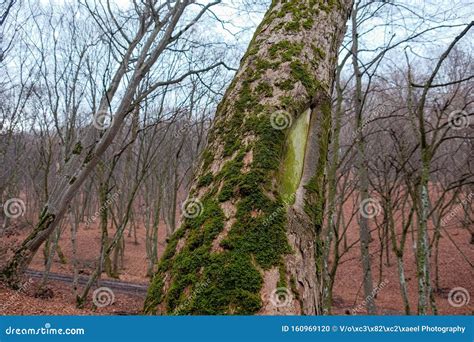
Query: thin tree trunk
{"type": "Point", "coordinates": [105, 263]}
{"type": "Point", "coordinates": [403, 284]}
{"type": "Point", "coordinates": [49, 259]}
{"type": "Point", "coordinates": [74, 218]}
{"type": "Point", "coordinates": [364, 231]}
{"type": "Point", "coordinates": [153, 216]}
{"type": "Point", "coordinates": [399, 251]}
{"type": "Point", "coordinates": [328, 281]}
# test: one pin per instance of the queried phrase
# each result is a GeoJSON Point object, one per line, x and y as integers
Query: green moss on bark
{"type": "Point", "coordinates": [257, 239]}
{"type": "Point", "coordinates": [286, 50]}
{"type": "Point", "coordinates": [251, 244]}
{"type": "Point", "coordinates": [301, 72]}
{"type": "Point", "coordinates": [264, 89]}
{"type": "Point", "coordinates": [205, 180]}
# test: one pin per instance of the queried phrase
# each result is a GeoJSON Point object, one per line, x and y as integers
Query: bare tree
{"type": "Point", "coordinates": [156, 28]}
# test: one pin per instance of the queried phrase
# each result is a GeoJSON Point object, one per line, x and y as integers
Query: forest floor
{"type": "Point", "coordinates": [454, 271]}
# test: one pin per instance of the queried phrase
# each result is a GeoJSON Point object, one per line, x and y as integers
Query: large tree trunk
{"type": "Point", "coordinates": [253, 219]}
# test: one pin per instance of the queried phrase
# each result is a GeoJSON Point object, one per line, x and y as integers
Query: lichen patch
{"type": "Point", "coordinates": [248, 159]}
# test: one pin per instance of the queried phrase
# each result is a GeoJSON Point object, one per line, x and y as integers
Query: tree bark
{"type": "Point", "coordinates": [249, 242]}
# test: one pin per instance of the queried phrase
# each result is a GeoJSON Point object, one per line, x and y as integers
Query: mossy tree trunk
{"type": "Point", "coordinates": [249, 242]}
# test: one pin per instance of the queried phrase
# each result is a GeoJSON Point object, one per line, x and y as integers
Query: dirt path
{"type": "Point", "coordinates": [115, 285]}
